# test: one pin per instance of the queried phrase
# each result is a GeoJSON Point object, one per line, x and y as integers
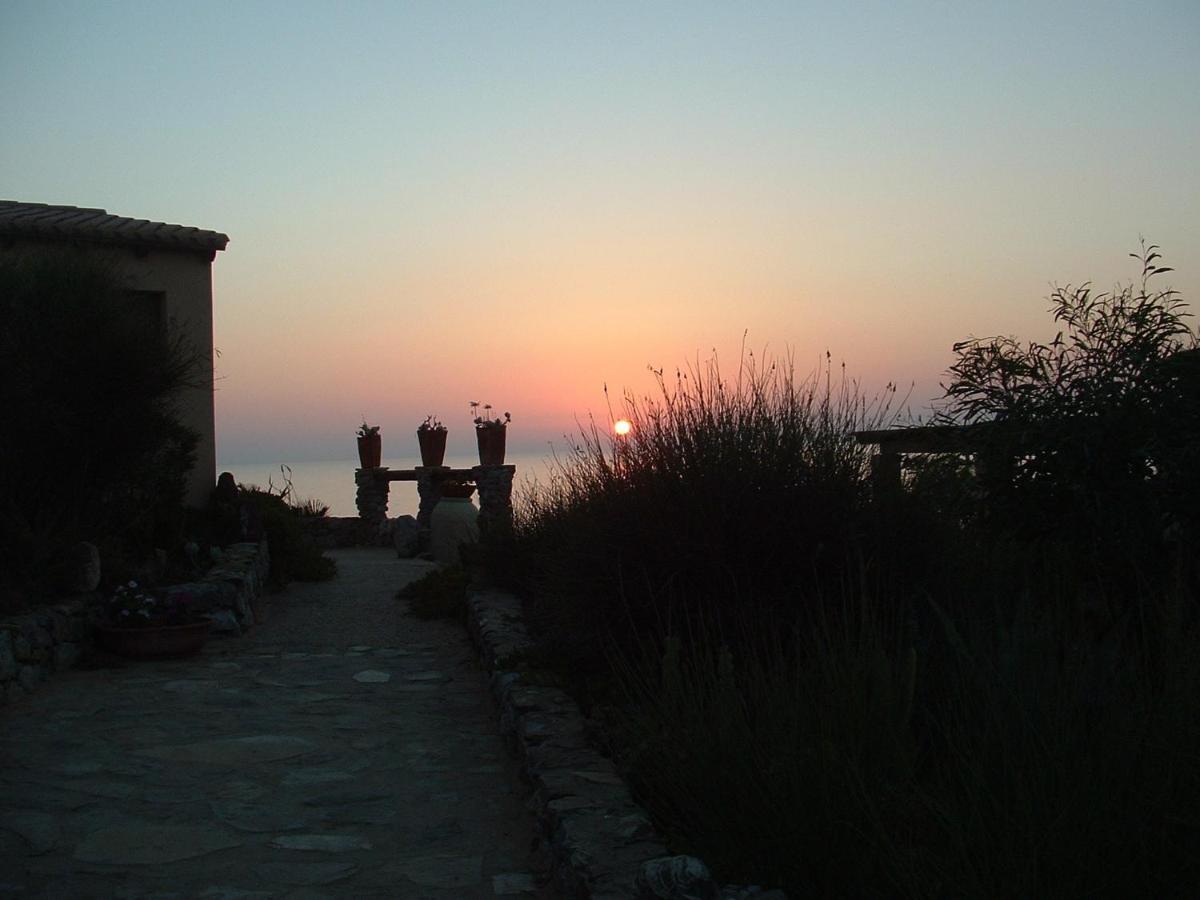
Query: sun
{"type": "Point", "coordinates": [622, 427]}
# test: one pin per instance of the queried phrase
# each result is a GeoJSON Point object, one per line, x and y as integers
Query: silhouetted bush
{"type": "Point", "coordinates": [1090, 443]}
{"type": "Point", "coordinates": [984, 684]}
{"type": "Point", "coordinates": [442, 594]}
{"type": "Point", "coordinates": [91, 443]}
{"type": "Point", "coordinates": [294, 555]}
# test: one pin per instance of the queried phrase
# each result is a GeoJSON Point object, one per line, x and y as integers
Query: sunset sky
{"type": "Point", "coordinates": [517, 203]}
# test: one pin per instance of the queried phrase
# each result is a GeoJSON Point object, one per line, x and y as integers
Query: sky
{"type": "Point", "coordinates": [520, 203]}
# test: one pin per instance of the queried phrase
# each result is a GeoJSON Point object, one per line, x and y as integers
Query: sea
{"type": "Point", "coordinates": [331, 481]}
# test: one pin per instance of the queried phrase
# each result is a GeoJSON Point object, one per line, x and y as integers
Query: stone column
{"type": "Point", "coordinates": [429, 493]}
{"type": "Point", "coordinates": [372, 501]}
{"type": "Point", "coordinates": [494, 484]}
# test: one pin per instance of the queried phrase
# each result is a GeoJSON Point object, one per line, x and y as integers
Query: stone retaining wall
{"type": "Point", "coordinates": [332, 532]}
{"type": "Point", "coordinates": [602, 844]}
{"type": "Point", "coordinates": [36, 644]}
{"type": "Point", "coordinates": [229, 592]}
{"type": "Point", "coordinates": [598, 837]}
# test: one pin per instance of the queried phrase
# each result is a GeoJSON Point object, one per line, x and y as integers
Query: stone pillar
{"type": "Point", "coordinates": [372, 501]}
{"type": "Point", "coordinates": [494, 484]}
{"type": "Point", "coordinates": [429, 493]}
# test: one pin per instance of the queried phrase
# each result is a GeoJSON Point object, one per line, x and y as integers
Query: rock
{"type": "Point", "coordinates": [151, 844]}
{"type": "Point", "coordinates": [226, 490]}
{"type": "Point", "coordinates": [78, 569]}
{"type": "Point", "coordinates": [224, 622]}
{"type": "Point", "coordinates": [513, 883]}
{"type": "Point", "coordinates": [233, 751]}
{"type": "Point", "coordinates": [675, 878]}
{"type": "Point", "coordinates": [427, 676]}
{"type": "Point", "coordinates": [39, 830]}
{"type": "Point", "coordinates": [316, 776]}
{"type": "Point", "coordinates": [325, 843]}
{"type": "Point", "coordinates": [65, 656]}
{"type": "Point", "coordinates": [304, 873]}
{"type": "Point", "coordinates": [372, 676]}
{"type": "Point", "coordinates": [29, 677]}
{"type": "Point", "coordinates": [257, 818]}
{"type": "Point", "coordinates": [440, 871]}
{"type": "Point", "coordinates": [8, 659]}
{"type": "Point", "coordinates": [405, 536]}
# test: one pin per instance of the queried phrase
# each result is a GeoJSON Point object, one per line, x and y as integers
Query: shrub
{"type": "Point", "coordinates": [294, 555]}
{"type": "Point", "coordinates": [1088, 442]}
{"type": "Point", "coordinates": [92, 446]}
{"type": "Point", "coordinates": [442, 594]}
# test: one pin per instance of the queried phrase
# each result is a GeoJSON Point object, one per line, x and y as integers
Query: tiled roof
{"type": "Point", "coordinates": [39, 220]}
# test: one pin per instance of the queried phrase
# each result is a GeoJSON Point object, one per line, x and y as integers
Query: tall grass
{"type": "Point", "coordinates": [858, 758]}
{"type": "Point", "coordinates": [725, 491]}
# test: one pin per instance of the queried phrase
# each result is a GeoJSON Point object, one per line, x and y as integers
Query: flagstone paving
{"type": "Point", "coordinates": [342, 749]}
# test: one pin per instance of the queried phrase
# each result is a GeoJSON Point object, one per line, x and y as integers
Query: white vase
{"type": "Point", "coordinates": [455, 521]}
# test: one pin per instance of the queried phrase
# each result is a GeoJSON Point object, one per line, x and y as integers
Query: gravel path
{"type": "Point", "coordinates": [342, 749]}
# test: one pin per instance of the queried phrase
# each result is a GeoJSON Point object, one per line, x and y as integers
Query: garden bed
{"type": "Point", "coordinates": [35, 645]}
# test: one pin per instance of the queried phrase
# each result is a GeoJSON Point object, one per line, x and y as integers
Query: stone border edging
{"type": "Point", "coordinates": [602, 844]}
{"type": "Point", "coordinates": [597, 835]}
{"type": "Point", "coordinates": [48, 639]}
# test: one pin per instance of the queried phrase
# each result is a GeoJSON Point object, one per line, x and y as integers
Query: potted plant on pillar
{"type": "Point", "coordinates": [370, 446]}
{"type": "Point", "coordinates": [431, 435]}
{"type": "Point", "coordinates": [490, 434]}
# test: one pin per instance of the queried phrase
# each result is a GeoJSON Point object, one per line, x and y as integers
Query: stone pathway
{"type": "Point", "coordinates": [342, 749]}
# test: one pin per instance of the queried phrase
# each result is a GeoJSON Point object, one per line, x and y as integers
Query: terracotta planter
{"type": "Point", "coordinates": [370, 451]}
{"type": "Point", "coordinates": [433, 446]}
{"type": "Point", "coordinates": [155, 641]}
{"type": "Point", "coordinates": [491, 444]}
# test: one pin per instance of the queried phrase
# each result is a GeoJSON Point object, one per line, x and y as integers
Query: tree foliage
{"type": "Point", "coordinates": [92, 445]}
{"type": "Point", "coordinates": [1092, 436]}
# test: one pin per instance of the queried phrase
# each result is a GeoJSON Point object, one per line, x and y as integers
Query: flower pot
{"type": "Point", "coordinates": [433, 446]}
{"type": "Point", "coordinates": [370, 451]}
{"type": "Point", "coordinates": [153, 641]}
{"type": "Point", "coordinates": [491, 444]}
{"type": "Point", "coordinates": [455, 521]}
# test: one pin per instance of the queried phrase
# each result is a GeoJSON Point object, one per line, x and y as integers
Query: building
{"type": "Point", "coordinates": [168, 273]}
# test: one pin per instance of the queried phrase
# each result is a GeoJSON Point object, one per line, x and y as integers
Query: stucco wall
{"type": "Point", "coordinates": [185, 280]}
